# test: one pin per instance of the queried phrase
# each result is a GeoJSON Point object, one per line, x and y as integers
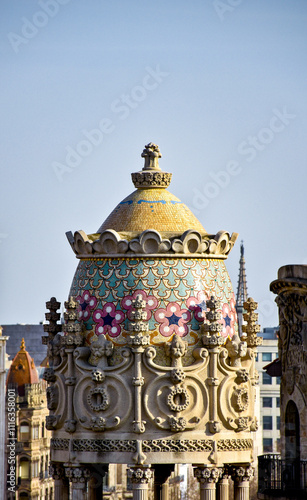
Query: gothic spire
{"type": "Point", "coordinates": [241, 290]}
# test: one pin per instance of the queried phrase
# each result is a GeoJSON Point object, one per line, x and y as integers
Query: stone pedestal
{"type": "Point", "coordinates": [207, 478]}
{"type": "Point", "coordinates": [140, 477]}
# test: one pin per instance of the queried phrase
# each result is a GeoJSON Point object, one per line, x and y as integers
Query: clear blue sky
{"type": "Point", "coordinates": [220, 86]}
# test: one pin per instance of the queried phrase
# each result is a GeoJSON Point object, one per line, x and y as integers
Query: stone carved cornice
{"type": "Point", "coordinates": [151, 243]}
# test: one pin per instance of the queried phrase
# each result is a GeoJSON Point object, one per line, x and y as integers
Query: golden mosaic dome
{"type": "Point", "coordinates": [151, 206]}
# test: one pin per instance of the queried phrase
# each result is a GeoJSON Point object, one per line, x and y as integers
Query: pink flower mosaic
{"type": "Point", "coordinates": [198, 305]}
{"type": "Point", "coordinates": [151, 303]}
{"type": "Point", "coordinates": [108, 320]}
{"type": "Point", "coordinates": [229, 318]}
{"type": "Point", "coordinates": [173, 320]}
{"type": "Point", "coordinates": [87, 304]}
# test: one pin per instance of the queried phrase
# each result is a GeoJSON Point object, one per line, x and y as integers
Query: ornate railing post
{"type": "Point", "coordinates": [61, 483]}
{"type": "Point", "coordinates": [140, 477]}
{"type": "Point", "coordinates": [241, 477]}
{"type": "Point", "coordinates": [207, 478]}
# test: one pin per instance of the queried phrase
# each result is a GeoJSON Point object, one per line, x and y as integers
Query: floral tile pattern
{"type": "Point", "coordinates": [175, 292]}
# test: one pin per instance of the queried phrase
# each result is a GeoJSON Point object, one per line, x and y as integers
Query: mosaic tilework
{"type": "Point", "coordinates": [152, 209]}
{"type": "Point", "coordinates": [175, 291]}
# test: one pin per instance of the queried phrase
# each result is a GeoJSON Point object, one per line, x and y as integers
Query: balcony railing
{"type": "Point", "coordinates": [278, 478]}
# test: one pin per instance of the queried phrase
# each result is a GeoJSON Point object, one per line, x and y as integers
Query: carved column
{"type": "Point", "coordinates": [78, 476]}
{"type": "Point", "coordinates": [61, 483]}
{"type": "Point", "coordinates": [222, 492]}
{"type": "Point", "coordinates": [207, 478]}
{"type": "Point", "coordinates": [164, 492]}
{"type": "Point", "coordinates": [140, 477]}
{"type": "Point", "coordinates": [138, 342]}
{"type": "Point", "coordinates": [241, 477]}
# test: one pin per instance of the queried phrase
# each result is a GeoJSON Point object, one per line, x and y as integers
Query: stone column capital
{"type": "Point", "coordinates": [78, 475]}
{"type": "Point", "coordinates": [140, 475]}
{"type": "Point", "coordinates": [57, 471]}
{"type": "Point", "coordinates": [241, 473]}
{"type": "Point", "coordinates": [205, 474]}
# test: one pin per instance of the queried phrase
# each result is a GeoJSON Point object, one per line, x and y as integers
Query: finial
{"type": "Point", "coordinates": [151, 176]}
{"type": "Point", "coordinates": [22, 345]}
{"type": "Point", "coordinates": [151, 153]}
{"type": "Point", "coordinates": [242, 249]}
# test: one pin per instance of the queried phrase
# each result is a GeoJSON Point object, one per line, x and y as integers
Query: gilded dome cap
{"type": "Point", "coordinates": [151, 206]}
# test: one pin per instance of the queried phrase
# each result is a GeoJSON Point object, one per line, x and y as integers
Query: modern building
{"type": "Point", "coordinates": [269, 392]}
{"type": "Point", "coordinates": [27, 438]}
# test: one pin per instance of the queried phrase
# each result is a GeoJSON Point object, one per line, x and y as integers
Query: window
{"type": "Point", "coordinates": [267, 402]}
{"type": "Point", "coordinates": [266, 379]}
{"type": "Point", "coordinates": [35, 432]}
{"type": "Point", "coordinates": [278, 380]}
{"type": "Point", "coordinates": [266, 356]}
{"type": "Point", "coordinates": [277, 402]}
{"type": "Point", "coordinates": [267, 445]}
{"type": "Point", "coordinates": [24, 468]}
{"type": "Point", "coordinates": [256, 358]}
{"type": "Point", "coordinates": [278, 423]}
{"type": "Point", "coordinates": [267, 422]}
{"type": "Point", "coordinates": [24, 431]}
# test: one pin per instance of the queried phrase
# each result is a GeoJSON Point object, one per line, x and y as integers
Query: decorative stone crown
{"type": "Point", "coordinates": [151, 242]}
{"type": "Point", "coordinates": [151, 176]}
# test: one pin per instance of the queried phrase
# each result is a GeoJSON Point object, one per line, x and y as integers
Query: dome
{"type": "Point", "coordinates": [152, 245]}
{"type": "Point", "coordinates": [22, 370]}
{"type": "Point", "coordinates": [153, 208]}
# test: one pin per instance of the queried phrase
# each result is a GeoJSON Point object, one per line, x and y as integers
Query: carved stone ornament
{"type": "Point", "coordinates": [177, 424]}
{"type": "Point", "coordinates": [98, 399]}
{"type": "Point", "coordinates": [207, 474]}
{"type": "Point", "coordinates": [151, 242]}
{"type": "Point", "coordinates": [70, 425]}
{"type": "Point", "coordinates": [178, 399]}
{"type": "Point", "coordinates": [52, 397]}
{"type": "Point", "coordinates": [140, 475]}
{"type": "Point", "coordinates": [77, 474]}
{"type": "Point", "coordinates": [49, 375]}
{"type": "Point", "coordinates": [56, 471]}
{"type": "Point", "coordinates": [239, 474]}
{"type": "Point", "coordinates": [241, 398]}
{"type": "Point", "coordinates": [51, 422]}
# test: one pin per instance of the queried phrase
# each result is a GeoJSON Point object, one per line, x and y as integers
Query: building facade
{"type": "Point", "coordinates": [269, 392]}
{"type": "Point", "coordinates": [32, 450]}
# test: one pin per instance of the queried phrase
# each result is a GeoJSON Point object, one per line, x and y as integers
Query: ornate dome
{"type": "Point", "coordinates": [22, 370]}
{"type": "Point", "coordinates": [152, 245]}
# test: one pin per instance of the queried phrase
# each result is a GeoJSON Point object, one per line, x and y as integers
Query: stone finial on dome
{"type": "Point", "coordinates": [151, 153]}
{"type": "Point", "coordinates": [151, 176]}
